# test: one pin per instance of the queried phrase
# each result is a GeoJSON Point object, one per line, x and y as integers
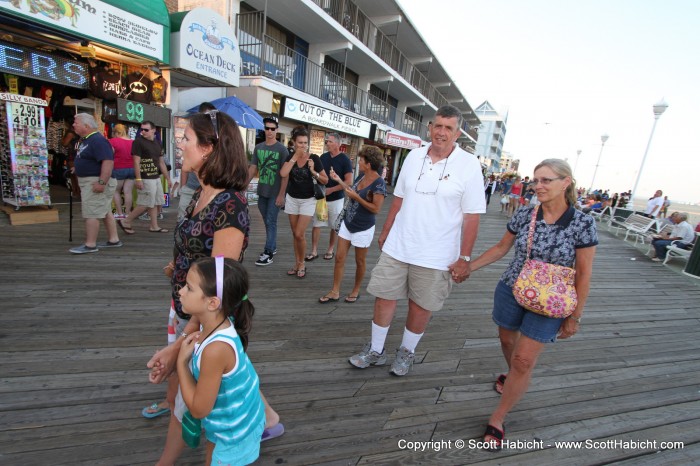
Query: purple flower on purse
{"type": "Point", "coordinates": [556, 305]}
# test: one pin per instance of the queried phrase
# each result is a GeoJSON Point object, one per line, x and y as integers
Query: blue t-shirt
{"type": "Point", "coordinates": [341, 165]}
{"type": "Point", "coordinates": [357, 217]}
{"type": "Point", "coordinates": [556, 243]}
{"type": "Point", "coordinates": [92, 150]}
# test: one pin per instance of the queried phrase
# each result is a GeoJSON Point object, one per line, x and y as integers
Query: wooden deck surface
{"type": "Point", "coordinates": [78, 330]}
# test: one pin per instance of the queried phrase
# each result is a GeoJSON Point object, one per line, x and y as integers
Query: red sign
{"type": "Point", "coordinates": [396, 140]}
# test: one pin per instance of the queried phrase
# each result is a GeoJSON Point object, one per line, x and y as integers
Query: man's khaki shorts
{"type": "Point", "coordinates": [152, 194]}
{"type": "Point", "coordinates": [393, 280]}
{"type": "Point", "coordinates": [96, 205]}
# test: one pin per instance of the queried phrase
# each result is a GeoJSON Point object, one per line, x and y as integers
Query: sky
{"type": "Point", "coordinates": [568, 71]}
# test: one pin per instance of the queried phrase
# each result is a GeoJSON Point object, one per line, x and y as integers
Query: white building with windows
{"type": "Point", "coordinates": [492, 134]}
{"type": "Point", "coordinates": [321, 63]}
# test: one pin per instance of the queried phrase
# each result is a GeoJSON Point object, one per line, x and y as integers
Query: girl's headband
{"type": "Point", "coordinates": [220, 278]}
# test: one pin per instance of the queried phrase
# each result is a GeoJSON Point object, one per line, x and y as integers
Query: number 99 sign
{"type": "Point", "coordinates": [134, 112]}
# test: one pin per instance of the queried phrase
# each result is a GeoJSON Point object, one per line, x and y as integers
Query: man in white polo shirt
{"type": "Point", "coordinates": [427, 239]}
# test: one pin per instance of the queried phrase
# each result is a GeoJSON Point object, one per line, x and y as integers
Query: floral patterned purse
{"type": "Point", "coordinates": [544, 288]}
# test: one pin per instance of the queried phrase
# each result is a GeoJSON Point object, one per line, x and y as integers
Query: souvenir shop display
{"type": "Point", "coordinates": [24, 161]}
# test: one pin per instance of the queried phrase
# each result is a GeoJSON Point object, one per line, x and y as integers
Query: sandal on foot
{"type": "Point", "coordinates": [126, 229]}
{"type": "Point", "coordinates": [301, 273]}
{"type": "Point", "coordinates": [272, 432]}
{"type": "Point", "coordinates": [154, 410]}
{"type": "Point", "coordinates": [159, 230]}
{"type": "Point", "coordinates": [310, 257]}
{"type": "Point", "coordinates": [351, 299]}
{"type": "Point", "coordinates": [328, 256]}
{"type": "Point", "coordinates": [497, 436]}
{"type": "Point", "coordinates": [499, 384]}
{"type": "Point", "coordinates": [291, 272]}
{"type": "Point", "coordinates": [327, 299]}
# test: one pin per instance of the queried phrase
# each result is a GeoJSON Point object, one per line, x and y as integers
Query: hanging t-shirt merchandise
{"type": "Point", "coordinates": [138, 88]}
{"type": "Point", "coordinates": [109, 84]}
{"type": "Point", "coordinates": [150, 152]}
{"type": "Point", "coordinates": [159, 92]}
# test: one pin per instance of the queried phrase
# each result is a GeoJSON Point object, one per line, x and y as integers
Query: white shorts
{"type": "Point", "coordinates": [294, 206]}
{"type": "Point", "coordinates": [180, 406]}
{"type": "Point", "coordinates": [152, 194]}
{"type": "Point", "coordinates": [334, 209]}
{"type": "Point", "coordinates": [361, 239]}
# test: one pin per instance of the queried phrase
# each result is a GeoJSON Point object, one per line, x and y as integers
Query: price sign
{"type": "Point", "coordinates": [26, 115]}
{"type": "Point", "coordinates": [136, 112]}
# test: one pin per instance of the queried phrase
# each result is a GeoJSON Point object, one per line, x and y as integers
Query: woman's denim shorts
{"type": "Point", "coordinates": [123, 174]}
{"type": "Point", "coordinates": [510, 315]}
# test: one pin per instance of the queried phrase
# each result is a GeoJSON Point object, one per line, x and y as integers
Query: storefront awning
{"type": "Point", "coordinates": [139, 27]}
{"type": "Point", "coordinates": [398, 138]}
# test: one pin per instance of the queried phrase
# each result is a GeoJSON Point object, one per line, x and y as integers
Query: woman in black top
{"type": "Point", "coordinates": [302, 169]}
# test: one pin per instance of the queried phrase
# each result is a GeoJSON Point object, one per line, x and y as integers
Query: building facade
{"type": "Point", "coordinates": [492, 134]}
{"type": "Point", "coordinates": [359, 68]}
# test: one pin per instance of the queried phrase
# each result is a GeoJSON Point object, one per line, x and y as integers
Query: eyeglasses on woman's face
{"type": "Point", "coordinates": [545, 181]}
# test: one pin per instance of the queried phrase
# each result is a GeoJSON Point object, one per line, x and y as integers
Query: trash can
{"type": "Point", "coordinates": [693, 267]}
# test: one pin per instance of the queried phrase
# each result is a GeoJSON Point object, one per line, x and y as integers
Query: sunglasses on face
{"type": "Point", "coordinates": [145, 130]}
{"type": "Point", "coordinates": [268, 128]}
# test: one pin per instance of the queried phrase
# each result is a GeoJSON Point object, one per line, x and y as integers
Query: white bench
{"type": "Point", "coordinates": [673, 251]}
{"type": "Point", "coordinates": [635, 224]}
{"type": "Point", "coordinates": [606, 212]}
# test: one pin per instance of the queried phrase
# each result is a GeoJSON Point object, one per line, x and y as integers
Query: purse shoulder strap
{"type": "Point", "coordinates": [531, 232]}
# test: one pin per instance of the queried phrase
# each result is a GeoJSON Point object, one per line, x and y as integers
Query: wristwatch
{"type": "Point", "coordinates": [465, 258]}
{"type": "Point", "coordinates": [575, 319]}
{"type": "Point", "coordinates": [100, 181]}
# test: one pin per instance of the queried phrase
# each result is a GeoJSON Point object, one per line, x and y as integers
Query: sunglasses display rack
{"type": "Point", "coordinates": [24, 161]}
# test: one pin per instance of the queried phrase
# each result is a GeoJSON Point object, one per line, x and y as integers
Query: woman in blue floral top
{"type": "Point", "coordinates": [563, 236]}
{"type": "Point", "coordinates": [365, 199]}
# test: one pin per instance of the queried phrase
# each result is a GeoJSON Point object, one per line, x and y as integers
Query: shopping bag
{"type": "Point", "coordinates": [322, 210]}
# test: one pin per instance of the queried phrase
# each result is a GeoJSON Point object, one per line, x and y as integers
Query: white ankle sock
{"type": "Point", "coordinates": [378, 337]}
{"type": "Point", "coordinates": [410, 340]}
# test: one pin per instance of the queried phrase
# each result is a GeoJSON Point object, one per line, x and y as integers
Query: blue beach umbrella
{"type": "Point", "coordinates": [234, 107]}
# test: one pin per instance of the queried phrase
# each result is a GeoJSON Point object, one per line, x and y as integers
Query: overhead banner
{"type": "Point", "coordinates": [29, 63]}
{"type": "Point", "coordinates": [316, 115]}
{"type": "Point", "coordinates": [206, 45]}
{"type": "Point", "coordinates": [96, 20]}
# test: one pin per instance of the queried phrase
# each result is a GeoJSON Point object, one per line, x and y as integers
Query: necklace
{"type": "Point", "coordinates": [210, 333]}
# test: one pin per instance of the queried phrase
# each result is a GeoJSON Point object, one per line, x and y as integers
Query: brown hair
{"type": "Point", "coordinates": [227, 165]}
{"type": "Point", "coordinates": [373, 156]}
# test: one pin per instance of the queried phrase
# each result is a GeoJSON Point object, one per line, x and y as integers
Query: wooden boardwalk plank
{"type": "Point", "coordinates": [79, 330]}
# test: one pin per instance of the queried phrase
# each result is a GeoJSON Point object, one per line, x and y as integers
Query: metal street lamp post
{"type": "Point", "coordinates": [603, 138]}
{"type": "Point", "coordinates": [659, 109]}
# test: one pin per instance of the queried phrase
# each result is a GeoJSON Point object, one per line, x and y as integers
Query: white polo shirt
{"type": "Point", "coordinates": [427, 230]}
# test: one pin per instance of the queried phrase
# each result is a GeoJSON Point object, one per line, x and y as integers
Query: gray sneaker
{"type": "Point", "coordinates": [109, 244]}
{"type": "Point", "coordinates": [367, 357]}
{"type": "Point", "coordinates": [83, 249]}
{"type": "Point", "coordinates": [403, 362]}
